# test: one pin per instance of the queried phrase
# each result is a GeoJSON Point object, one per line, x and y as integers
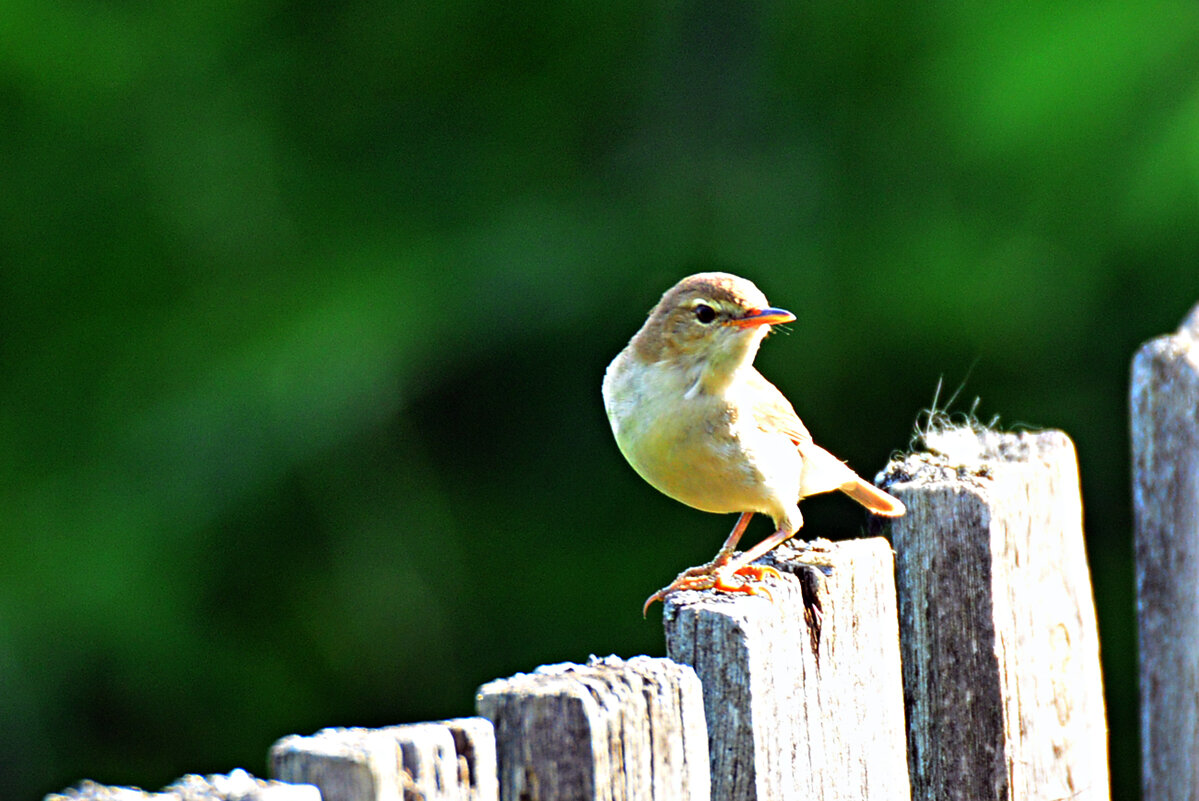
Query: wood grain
{"type": "Point", "coordinates": [1000, 644]}
{"type": "Point", "coordinates": [611, 730]}
{"type": "Point", "coordinates": [452, 760]}
{"type": "Point", "coordinates": [802, 692]}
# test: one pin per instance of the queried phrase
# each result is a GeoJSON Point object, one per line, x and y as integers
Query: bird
{"type": "Point", "coordinates": [695, 419]}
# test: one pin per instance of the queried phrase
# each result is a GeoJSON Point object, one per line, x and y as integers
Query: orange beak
{"type": "Point", "coordinates": [767, 316]}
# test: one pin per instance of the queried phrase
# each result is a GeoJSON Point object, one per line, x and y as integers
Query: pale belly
{"type": "Point", "coordinates": [699, 453]}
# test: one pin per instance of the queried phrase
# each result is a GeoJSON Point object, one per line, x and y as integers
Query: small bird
{"type": "Point", "coordinates": [696, 419]}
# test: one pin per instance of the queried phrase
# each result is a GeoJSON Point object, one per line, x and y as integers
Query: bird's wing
{"type": "Point", "coordinates": [774, 413]}
{"type": "Point", "coordinates": [823, 472]}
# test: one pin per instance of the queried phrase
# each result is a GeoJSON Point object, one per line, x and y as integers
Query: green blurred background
{"type": "Point", "coordinates": [304, 309]}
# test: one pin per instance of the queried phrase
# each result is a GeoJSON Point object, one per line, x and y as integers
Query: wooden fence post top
{"type": "Point", "coordinates": [613, 672]}
{"type": "Point", "coordinates": [965, 454]}
{"type": "Point", "coordinates": [610, 730]}
{"type": "Point", "coordinates": [1177, 351]}
{"type": "Point", "coordinates": [448, 760]}
{"type": "Point", "coordinates": [237, 785]}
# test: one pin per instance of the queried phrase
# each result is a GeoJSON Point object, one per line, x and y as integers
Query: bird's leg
{"type": "Point", "coordinates": [730, 543]}
{"type": "Point", "coordinates": [717, 573]}
{"type": "Point", "coordinates": [725, 554]}
{"type": "Point", "coordinates": [740, 565]}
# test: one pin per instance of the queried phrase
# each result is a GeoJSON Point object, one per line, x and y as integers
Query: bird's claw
{"type": "Point", "coordinates": [756, 573]}
{"type": "Point", "coordinates": [712, 577]}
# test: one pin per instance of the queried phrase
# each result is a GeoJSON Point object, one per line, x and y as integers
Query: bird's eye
{"type": "Point", "coordinates": [705, 313]}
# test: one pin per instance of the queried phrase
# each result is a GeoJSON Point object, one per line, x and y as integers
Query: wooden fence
{"type": "Point", "coordinates": [1164, 405]}
{"type": "Point", "coordinates": [963, 664]}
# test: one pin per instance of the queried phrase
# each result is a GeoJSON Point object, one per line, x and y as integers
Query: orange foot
{"type": "Point", "coordinates": [712, 576]}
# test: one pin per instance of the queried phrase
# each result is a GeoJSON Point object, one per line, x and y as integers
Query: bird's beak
{"type": "Point", "coordinates": [767, 316]}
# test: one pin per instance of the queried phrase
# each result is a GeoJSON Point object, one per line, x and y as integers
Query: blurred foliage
{"type": "Point", "coordinates": [304, 309]}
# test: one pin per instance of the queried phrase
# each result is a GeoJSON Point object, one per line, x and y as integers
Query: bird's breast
{"type": "Point", "coordinates": [702, 449]}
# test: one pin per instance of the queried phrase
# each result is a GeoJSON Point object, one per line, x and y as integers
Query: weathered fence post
{"type": "Point", "coordinates": [451, 760]}
{"type": "Point", "coordinates": [1164, 401]}
{"type": "Point", "coordinates": [997, 620]}
{"type": "Point", "coordinates": [802, 691]}
{"type": "Point", "coordinates": [611, 730]}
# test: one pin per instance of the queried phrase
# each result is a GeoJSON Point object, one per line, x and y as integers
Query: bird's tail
{"type": "Point", "coordinates": [873, 498]}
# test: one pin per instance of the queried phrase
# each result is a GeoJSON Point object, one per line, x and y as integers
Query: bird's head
{"type": "Point", "coordinates": [711, 321]}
